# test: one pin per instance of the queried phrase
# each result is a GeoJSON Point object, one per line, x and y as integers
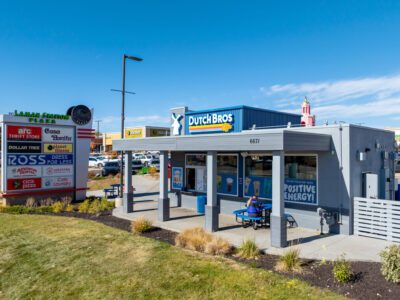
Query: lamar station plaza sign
{"type": "Point", "coordinates": [45, 155]}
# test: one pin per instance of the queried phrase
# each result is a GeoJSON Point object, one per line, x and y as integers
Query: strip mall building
{"type": "Point", "coordinates": [230, 154]}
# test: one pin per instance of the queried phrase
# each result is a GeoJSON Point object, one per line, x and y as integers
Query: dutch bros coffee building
{"type": "Point", "coordinates": [230, 154]}
{"type": "Point", "coordinates": [45, 156]}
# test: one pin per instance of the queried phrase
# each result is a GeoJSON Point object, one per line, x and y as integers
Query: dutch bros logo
{"type": "Point", "coordinates": [211, 122]}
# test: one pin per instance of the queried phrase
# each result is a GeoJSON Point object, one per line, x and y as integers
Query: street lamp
{"type": "Point", "coordinates": [123, 115]}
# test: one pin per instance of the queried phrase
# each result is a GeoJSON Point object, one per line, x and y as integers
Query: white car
{"type": "Point", "coordinates": [93, 162]}
{"type": "Point", "coordinates": [98, 161]}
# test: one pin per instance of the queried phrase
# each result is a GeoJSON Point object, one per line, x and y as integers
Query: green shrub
{"type": "Point", "coordinates": [391, 263]}
{"type": "Point", "coordinates": [141, 225]}
{"type": "Point", "coordinates": [144, 170]}
{"type": "Point", "coordinates": [248, 249]}
{"type": "Point", "coordinates": [58, 207]}
{"type": "Point", "coordinates": [84, 206]}
{"type": "Point", "coordinates": [341, 270]}
{"type": "Point", "coordinates": [290, 261]}
{"type": "Point", "coordinates": [107, 205]}
{"type": "Point", "coordinates": [95, 207]}
{"type": "Point", "coordinates": [43, 209]}
{"type": "Point", "coordinates": [70, 208]}
{"type": "Point", "coordinates": [15, 209]}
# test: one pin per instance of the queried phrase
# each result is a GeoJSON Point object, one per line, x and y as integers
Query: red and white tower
{"type": "Point", "coordinates": [307, 119]}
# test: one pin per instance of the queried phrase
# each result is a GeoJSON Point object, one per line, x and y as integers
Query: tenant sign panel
{"type": "Point", "coordinates": [24, 133]}
{"type": "Point", "coordinates": [58, 134]}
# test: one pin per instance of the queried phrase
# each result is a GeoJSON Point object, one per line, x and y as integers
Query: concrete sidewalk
{"type": "Point", "coordinates": [311, 244]}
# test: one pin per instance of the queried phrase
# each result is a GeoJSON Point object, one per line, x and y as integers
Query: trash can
{"type": "Point", "coordinates": [201, 204]}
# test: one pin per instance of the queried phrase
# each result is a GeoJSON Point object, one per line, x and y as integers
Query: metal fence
{"type": "Point", "coordinates": [377, 218]}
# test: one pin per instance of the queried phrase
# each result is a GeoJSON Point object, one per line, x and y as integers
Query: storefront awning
{"type": "Point", "coordinates": [257, 140]}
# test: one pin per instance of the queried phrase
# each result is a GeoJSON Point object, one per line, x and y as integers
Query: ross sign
{"type": "Point", "coordinates": [24, 133]}
{"type": "Point", "coordinates": [24, 172]}
{"type": "Point", "coordinates": [49, 171]}
{"type": "Point", "coordinates": [177, 178]}
{"type": "Point", "coordinates": [131, 133]}
{"type": "Point", "coordinates": [57, 148]}
{"type": "Point", "coordinates": [23, 147]}
{"type": "Point", "coordinates": [57, 182]}
{"type": "Point", "coordinates": [298, 190]}
{"type": "Point", "coordinates": [212, 122]}
{"type": "Point", "coordinates": [24, 184]}
{"type": "Point", "coordinates": [57, 134]}
{"type": "Point", "coordinates": [39, 159]}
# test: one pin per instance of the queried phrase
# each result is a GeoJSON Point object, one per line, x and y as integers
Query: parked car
{"type": "Point", "coordinates": [136, 165]}
{"type": "Point", "coordinates": [110, 167]}
{"type": "Point", "coordinates": [155, 163]}
{"type": "Point", "coordinates": [93, 162]}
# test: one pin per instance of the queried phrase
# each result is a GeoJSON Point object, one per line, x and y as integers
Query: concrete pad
{"type": "Point", "coordinates": [311, 244]}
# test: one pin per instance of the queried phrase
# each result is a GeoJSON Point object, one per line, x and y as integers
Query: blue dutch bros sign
{"type": "Point", "coordinates": [39, 159]}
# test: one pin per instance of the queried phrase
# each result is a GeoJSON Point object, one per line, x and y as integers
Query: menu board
{"type": "Point", "coordinates": [39, 157]}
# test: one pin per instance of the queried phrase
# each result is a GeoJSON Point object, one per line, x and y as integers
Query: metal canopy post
{"type": "Point", "coordinates": [278, 220]}
{"type": "Point", "coordinates": [163, 202]}
{"type": "Point", "coordinates": [212, 208]}
{"type": "Point", "coordinates": [128, 189]}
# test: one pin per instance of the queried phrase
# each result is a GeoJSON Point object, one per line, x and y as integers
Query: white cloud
{"type": "Point", "coordinates": [363, 98]}
{"type": "Point", "coordinates": [339, 91]}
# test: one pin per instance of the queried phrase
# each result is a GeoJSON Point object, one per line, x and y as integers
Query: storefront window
{"type": "Point", "coordinates": [301, 167]}
{"type": "Point", "coordinates": [196, 160]}
{"type": "Point", "coordinates": [300, 178]}
{"type": "Point", "coordinates": [227, 174]}
{"type": "Point", "coordinates": [258, 176]}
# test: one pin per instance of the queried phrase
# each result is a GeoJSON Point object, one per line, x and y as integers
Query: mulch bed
{"type": "Point", "coordinates": [367, 283]}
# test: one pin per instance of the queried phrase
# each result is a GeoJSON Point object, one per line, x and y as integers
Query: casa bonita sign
{"type": "Point", "coordinates": [43, 118]}
{"type": "Point", "coordinates": [213, 122]}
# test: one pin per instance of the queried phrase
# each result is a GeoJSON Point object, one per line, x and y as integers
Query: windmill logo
{"type": "Point", "coordinates": [176, 124]}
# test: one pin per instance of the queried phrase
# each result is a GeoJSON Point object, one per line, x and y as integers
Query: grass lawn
{"type": "Point", "coordinates": [102, 182]}
{"type": "Point", "coordinates": [57, 257]}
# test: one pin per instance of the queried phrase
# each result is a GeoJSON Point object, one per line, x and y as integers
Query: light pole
{"type": "Point", "coordinates": [123, 115]}
{"type": "Point", "coordinates": [98, 132]}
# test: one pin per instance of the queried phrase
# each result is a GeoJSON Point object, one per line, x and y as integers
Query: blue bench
{"type": "Point", "coordinates": [109, 193]}
{"type": "Point", "coordinates": [242, 214]}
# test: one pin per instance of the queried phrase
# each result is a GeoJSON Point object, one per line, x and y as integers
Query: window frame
{"type": "Point", "coordinates": [237, 173]}
{"type": "Point", "coordinates": [291, 154]}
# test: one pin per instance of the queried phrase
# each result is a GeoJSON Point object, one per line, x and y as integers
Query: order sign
{"type": "Point", "coordinates": [24, 133]}
{"type": "Point", "coordinates": [24, 184]}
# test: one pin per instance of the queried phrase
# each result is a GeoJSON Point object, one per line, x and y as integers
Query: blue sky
{"type": "Point", "coordinates": [344, 55]}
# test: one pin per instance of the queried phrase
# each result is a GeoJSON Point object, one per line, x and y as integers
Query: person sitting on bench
{"type": "Point", "coordinates": [253, 207]}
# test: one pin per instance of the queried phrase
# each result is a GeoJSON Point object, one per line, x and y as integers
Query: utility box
{"type": "Point", "coordinates": [370, 185]}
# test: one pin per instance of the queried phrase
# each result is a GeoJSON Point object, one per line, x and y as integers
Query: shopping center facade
{"type": "Point", "coordinates": [230, 154]}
